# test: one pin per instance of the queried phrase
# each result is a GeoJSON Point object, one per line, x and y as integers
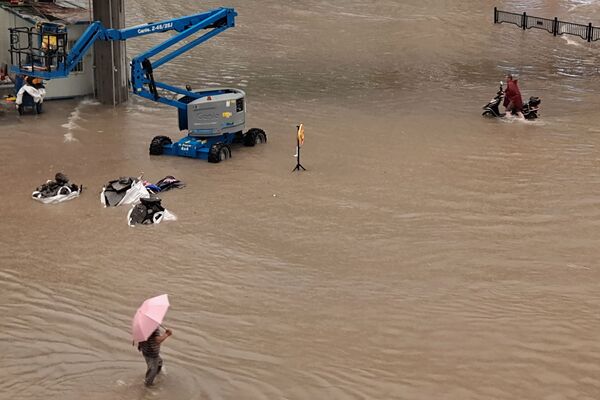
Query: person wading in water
{"type": "Point", "coordinates": [151, 352]}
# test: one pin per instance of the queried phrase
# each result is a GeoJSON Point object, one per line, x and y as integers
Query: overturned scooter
{"type": "Point", "coordinates": [492, 109]}
{"type": "Point", "coordinates": [148, 211]}
{"type": "Point", "coordinates": [57, 190]}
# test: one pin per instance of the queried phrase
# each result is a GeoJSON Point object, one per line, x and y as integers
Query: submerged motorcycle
{"type": "Point", "coordinates": [492, 109]}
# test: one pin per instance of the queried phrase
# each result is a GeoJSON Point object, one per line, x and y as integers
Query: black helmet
{"type": "Point", "coordinates": [61, 178]}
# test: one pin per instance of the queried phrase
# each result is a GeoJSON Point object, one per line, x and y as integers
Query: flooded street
{"type": "Point", "coordinates": [426, 252]}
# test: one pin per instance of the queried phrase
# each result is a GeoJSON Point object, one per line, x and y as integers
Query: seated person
{"type": "Point", "coordinates": [36, 91]}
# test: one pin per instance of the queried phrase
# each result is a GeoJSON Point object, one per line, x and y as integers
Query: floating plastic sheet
{"type": "Point", "coordinates": [123, 191]}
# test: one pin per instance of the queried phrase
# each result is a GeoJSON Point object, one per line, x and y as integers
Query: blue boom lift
{"type": "Point", "coordinates": [214, 118]}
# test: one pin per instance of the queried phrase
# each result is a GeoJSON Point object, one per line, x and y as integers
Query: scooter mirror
{"type": "Point", "coordinates": [501, 83]}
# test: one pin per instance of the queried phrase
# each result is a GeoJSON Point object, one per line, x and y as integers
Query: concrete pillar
{"type": "Point", "coordinates": [110, 58]}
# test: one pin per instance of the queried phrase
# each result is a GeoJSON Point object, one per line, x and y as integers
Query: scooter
{"type": "Point", "coordinates": [492, 109]}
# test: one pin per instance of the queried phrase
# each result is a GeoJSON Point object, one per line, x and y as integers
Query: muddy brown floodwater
{"type": "Point", "coordinates": [426, 253]}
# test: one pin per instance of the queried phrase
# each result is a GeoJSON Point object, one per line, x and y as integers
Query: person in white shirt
{"type": "Point", "coordinates": [37, 92]}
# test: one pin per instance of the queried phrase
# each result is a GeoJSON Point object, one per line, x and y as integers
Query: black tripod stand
{"type": "Point", "coordinates": [298, 165]}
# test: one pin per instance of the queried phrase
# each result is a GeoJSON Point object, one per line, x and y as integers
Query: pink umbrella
{"type": "Point", "coordinates": [148, 317]}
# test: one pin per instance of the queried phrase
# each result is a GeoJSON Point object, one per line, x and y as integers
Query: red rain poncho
{"type": "Point", "coordinates": [513, 95]}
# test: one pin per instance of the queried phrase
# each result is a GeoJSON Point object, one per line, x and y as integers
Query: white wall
{"type": "Point", "coordinates": [76, 84]}
{"type": "Point", "coordinates": [4, 36]}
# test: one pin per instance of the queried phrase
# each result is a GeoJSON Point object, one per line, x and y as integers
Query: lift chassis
{"type": "Point", "coordinates": [213, 118]}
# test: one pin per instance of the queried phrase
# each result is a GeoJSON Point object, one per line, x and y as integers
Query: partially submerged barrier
{"type": "Point", "coordinates": [555, 26]}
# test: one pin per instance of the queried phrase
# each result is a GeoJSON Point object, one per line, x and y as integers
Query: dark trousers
{"type": "Point", "coordinates": [154, 367]}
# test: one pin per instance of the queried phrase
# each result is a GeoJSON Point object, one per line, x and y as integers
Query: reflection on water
{"type": "Point", "coordinates": [425, 252]}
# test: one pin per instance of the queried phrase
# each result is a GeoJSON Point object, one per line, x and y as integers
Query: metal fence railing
{"type": "Point", "coordinates": [539, 23]}
{"type": "Point", "coordinates": [511, 18]}
{"type": "Point", "coordinates": [595, 33]}
{"type": "Point", "coordinates": [554, 26]}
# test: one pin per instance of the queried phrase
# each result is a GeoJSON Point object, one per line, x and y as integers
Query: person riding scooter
{"type": "Point", "coordinates": [528, 111]}
{"type": "Point", "coordinates": [513, 102]}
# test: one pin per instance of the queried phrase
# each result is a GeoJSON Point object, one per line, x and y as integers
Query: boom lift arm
{"type": "Point", "coordinates": [142, 69]}
{"type": "Point", "coordinates": [214, 118]}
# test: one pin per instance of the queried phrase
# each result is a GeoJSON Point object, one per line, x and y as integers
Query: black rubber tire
{"type": "Point", "coordinates": [487, 113]}
{"type": "Point", "coordinates": [156, 146]}
{"type": "Point", "coordinates": [249, 138]}
{"type": "Point", "coordinates": [255, 136]}
{"type": "Point", "coordinates": [213, 153]}
{"type": "Point", "coordinates": [224, 153]}
{"type": "Point", "coordinates": [261, 137]}
{"type": "Point", "coordinates": [219, 152]}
